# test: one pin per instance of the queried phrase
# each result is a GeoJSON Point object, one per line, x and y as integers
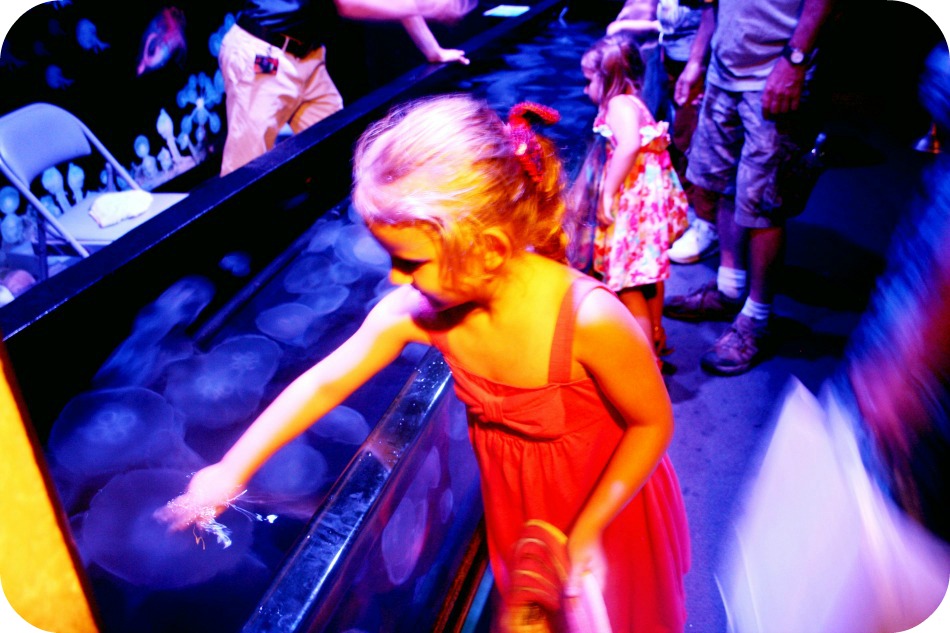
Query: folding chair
{"type": "Point", "coordinates": [39, 136]}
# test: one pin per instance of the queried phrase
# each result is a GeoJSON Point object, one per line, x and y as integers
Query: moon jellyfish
{"type": "Point", "coordinates": [140, 360]}
{"type": "Point", "coordinates": [325, 236]}
{"type": "Point", "coordinates": [123, 537]}
{"type": "Point", "coordinates": [343, 273]}
{"type": "Point", "coordinates": [111, 430]}
{"type": "Point", "coordinates": [296, 470]}
{"type": "Point", "coordinates": [179, 305]}
{"type": "Point", "coordinates": [368, 250]}
{"type": "Point", "coordinates": [308, 274]}
{"type": "Point", "coordinates": [383, 287]}
{"type": "Point", "coordinates": [287, 322]}
{"type": "Point", "coordinates": [446, 505]}
{"type": "Point", "coordinates": [225, 386]}
{"type": "Point", "coordinates": [238, 264]}
{"type": "Point", "coordinates": [327, 300]}
{"type": "Point", "coordinates": [342, 424]}
{"type": "Point", "coordinates": [430, 473]}
{"type": "Point", "coordinates": [403, 538]}
{"type": "Point", "coordinates": [356, 245]}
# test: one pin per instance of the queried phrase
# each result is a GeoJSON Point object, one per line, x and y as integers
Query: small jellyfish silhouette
{"type": "Point", "coordinates": [237, 263]}
{"type": "Point", "coordinates": [53, 182]}
{"type": "Point", "coordinates": [112, 430]}
{"type": "Point", "coordinates": [9, 200]}
{"type": "Point", "coordinates": [342, 424]}
{"type": "Point", "coordinates": [287, 323]}
{"type": "Point", "coordinates": [296, 470]}
{"type": "Point", "coordinates": [403, 538]}
{"type": "Point", "coordinates": [166, 129]}
{"type": "Point", "coordinates": [121, 535]}
{"type": "Point", "coordinates": [50, 205]}
{"type": "Point", "coordinates": [12, 229]}
{"type": "Point", "coordinates": [55, 78]}
{"type": "Point", "coordinates": [214, 41]}
{"type": "Point", "coordinates": [308, 274]}
{"type": "Point", "coordinates": [149, 166]}
{"type": "Point", "coordinates": [76, 179]}
{"type": "Point", "coordinates": [165, 159]}
{"type": "Point", "coordinates": [88, 38]}
{"type": "Point", "coordinates": [225, 386]}
{"type": "Point", "coordinates": [327, 301]}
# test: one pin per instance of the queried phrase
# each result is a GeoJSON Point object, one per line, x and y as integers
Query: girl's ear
{"type": "Point", "coordinates": [496, 248]}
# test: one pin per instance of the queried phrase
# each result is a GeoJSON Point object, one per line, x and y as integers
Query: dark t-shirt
{"type": "Point", "coordinates": [304, 20]}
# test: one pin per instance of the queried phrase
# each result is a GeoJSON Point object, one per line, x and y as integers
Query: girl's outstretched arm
{"type": "Point", "coordinates": [379, 340]}
{"type": "Point", "coordinates": [615, 351]}
{"type": "Point", "coordinates": [623, 119]}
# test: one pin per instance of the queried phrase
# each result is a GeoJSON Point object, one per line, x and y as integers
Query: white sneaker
{"type": "Point", "coordinates": [699, 240]}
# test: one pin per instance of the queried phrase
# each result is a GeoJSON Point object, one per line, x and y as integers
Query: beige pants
{"type": "Point", "coordinates": [258, 105]}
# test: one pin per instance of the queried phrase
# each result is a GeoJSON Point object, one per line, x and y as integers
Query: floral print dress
{"type": "Point", "coordinates": [650, 212]}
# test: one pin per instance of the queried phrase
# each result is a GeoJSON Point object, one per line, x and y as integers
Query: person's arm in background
{"type": "Point", "coordinates": [784, 86]}
{"type": "Point", "coordinates": [636, 16]}
{"type": "Point", "coordinates": [698, 53]}
{"type": "Point", "coordinates": [441, 10]}
{"type": "Point", "coordinates": [425, 41]}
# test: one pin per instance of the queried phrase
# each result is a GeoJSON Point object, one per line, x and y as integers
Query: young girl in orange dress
{"type": "Point", "coordinates": [568, 415]}
{"type": "Point", "coordinates": [642, 208]}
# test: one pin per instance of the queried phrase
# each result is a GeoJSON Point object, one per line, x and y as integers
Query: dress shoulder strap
{"type": "Point", "coordinates": [559, 367]}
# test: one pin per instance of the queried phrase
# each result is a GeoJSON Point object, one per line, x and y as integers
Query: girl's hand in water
{"type": "Point", "coordinates": [210, 491]}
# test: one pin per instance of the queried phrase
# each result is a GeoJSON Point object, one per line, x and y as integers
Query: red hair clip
{"type": "Point", "coordinates": [523, 139]}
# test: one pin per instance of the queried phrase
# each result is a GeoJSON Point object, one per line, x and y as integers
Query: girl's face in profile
{"type": "Point", "coordinates": [595, 86]}
{"type": "Point", "coordinates": [417, 260]}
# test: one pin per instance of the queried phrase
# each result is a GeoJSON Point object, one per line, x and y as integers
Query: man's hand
{"type": "Point", "coordinates": [686, 83]}
{"type": "Point", "coordinates": [783, 89]}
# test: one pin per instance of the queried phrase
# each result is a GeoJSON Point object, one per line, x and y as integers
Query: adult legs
{"type": "Point", "coordinates": [259, 104]}
{"type": "Point", "coordinates": [320, 97]}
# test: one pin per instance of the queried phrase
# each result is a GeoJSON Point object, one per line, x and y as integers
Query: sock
{"type": "Point", "coordinates": [731, 282]}
{"type": "Point", "coordinates": [756, 310]}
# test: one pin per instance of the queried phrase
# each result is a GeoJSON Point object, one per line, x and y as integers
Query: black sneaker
{"type": "Point", "coordinates": [742, 346]}
{"type": "Point", "coordinates": [704, 304]}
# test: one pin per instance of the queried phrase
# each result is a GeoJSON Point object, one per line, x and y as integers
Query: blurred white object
{"type": "Point", "coordinates": [111, 208]}
{"type": "Point", "coordinates": [817, 547]}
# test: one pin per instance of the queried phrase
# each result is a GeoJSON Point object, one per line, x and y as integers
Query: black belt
{"type": "Point", "coordinates": [284, 42]}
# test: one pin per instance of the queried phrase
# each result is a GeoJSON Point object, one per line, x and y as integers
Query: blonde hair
{"type": "Point", "coordinates": [447, 164]}
{"type": "Point", "coordinates": [616, 59]}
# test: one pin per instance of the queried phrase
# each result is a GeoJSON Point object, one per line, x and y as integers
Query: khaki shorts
{"type": "Point", "coordinates": [258, 105]}
{"type": "Point", "coordinates": [735, 151]}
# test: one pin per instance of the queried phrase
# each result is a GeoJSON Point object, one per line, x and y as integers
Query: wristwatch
{"type": "Point", "coordinates": [795, 56]}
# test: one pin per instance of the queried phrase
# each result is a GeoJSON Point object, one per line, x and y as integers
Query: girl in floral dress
{"type": "Point", "coordinates": [641, 207]}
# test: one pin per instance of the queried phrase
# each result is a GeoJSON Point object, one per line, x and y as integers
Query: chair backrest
{"type": "Point", "coordinates": [39, 136]}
